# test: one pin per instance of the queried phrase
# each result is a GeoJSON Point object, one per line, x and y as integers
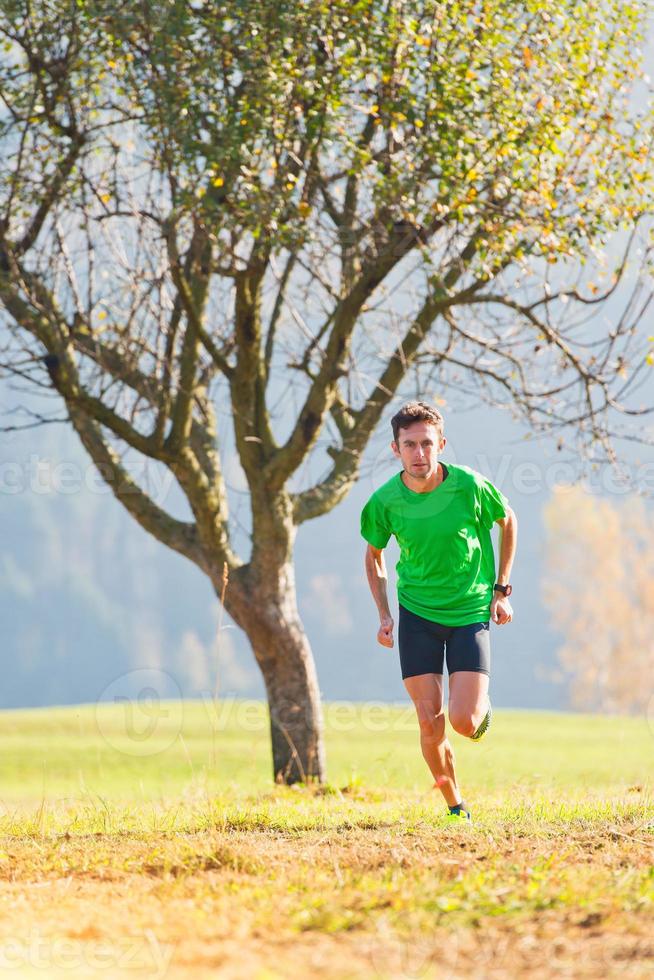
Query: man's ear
{"type": "Point", "coordinates": [395, 449]}
{"type": "Point", "coordinates": [443, 444]}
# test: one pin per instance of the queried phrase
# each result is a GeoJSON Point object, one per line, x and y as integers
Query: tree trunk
{"type": "Point", "coordinates": [296, 726]}
{"type": "Point", "coordinates": [269, 616]}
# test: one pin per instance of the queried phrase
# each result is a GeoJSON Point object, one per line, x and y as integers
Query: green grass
{"type": "Point", "coordinates": [177, 841]}
{"type": "Point", "coordinates": [77, 752]}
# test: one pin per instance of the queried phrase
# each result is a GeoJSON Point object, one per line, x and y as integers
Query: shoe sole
{"type": "Point", "coordinates": [484, 725]}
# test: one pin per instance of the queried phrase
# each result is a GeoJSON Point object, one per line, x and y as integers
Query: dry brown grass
{"type": "Point", "coordinates": [409, 898]}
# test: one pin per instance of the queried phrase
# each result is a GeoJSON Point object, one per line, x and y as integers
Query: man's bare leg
{"type": "Point", "coordinates": [468, 700]}
{"type": "Point", "coordinates": [426, 692]}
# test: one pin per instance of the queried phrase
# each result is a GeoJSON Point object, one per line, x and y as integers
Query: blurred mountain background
{"type": "Point", "coordinates": [87, 596]}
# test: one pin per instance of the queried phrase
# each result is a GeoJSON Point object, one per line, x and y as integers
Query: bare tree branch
{"type": "Point", "coordinates": [178, 535]}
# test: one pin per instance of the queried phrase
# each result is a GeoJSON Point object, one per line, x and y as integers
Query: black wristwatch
{"type": "Point", "coordinates": [506, 590]}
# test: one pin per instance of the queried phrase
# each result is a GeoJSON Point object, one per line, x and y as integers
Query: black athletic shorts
{"type": "Point", "coordinates": [424, 645]}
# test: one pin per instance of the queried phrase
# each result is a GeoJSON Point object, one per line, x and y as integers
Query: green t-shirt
{"type": "Point", "coordinates": [446, 570]}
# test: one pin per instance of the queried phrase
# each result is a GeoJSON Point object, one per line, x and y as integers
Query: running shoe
{"type": "Point", "coordinates": [484, 724]}
{"type": "Point", "coordinates": [459, 813]}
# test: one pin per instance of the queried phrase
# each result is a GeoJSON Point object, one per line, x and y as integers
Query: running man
{"type": "Point", "coordinates": [441, 516]}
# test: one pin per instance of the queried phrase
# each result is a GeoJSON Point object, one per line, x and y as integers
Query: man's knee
{"type": "Point", "coordinates": [432, 725]}
{"type": "Point", "coordinates": [463, 722]}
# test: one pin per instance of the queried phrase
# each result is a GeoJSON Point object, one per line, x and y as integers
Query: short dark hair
{"type": "Point", "coordinates": [416, 412]}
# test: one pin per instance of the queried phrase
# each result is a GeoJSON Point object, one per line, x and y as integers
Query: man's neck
{"type": "Point", "coordinates": [423, 486]}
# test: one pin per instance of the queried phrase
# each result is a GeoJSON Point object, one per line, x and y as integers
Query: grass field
{"type": "Point", "coordinates": [164, 850]}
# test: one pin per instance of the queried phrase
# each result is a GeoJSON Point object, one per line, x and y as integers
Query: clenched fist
{"type": "Point", "coordinates": [385, 632]}
{"type": "Point", "coordinates": [501, 611]}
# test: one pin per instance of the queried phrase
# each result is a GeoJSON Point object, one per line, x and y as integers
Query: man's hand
{"type": "Point", "coordinates": [500, 610]}
{"type": "Point", "coordinates": [385, 633]}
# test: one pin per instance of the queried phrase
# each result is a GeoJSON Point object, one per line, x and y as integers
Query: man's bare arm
{"type": "Point", "coordinates": [377, 579]}
{"type": "Point", "coordinates": [501, 611]}
{"type": "Point", "coordinates": [508, 542]}
{"type": "Point", "coordinates": [378, 582]}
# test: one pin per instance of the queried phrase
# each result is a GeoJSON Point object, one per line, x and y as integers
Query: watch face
{"type": "Point", "coordinates": [508, 590]}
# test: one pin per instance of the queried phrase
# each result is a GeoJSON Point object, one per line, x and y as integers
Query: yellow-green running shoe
{"type": "Point", "coordinates": [460, 819]}
{"type": "Point", "coordinates": [484, 725]}
{"type": "Point", "coordinates": [459, 813]}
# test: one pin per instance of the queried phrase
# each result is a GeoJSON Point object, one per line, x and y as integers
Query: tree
{"type": "Point", "coordinates": [599, 587]}
{"type": "Point", "coordinates": [286, 208]}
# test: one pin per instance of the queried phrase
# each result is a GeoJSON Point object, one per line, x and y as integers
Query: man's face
{"type": "Point", "coordinates": [419, 447]}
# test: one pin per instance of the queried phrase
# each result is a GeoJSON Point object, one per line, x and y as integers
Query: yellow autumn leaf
{"type": "Point", "coordinates": [527, 57]}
